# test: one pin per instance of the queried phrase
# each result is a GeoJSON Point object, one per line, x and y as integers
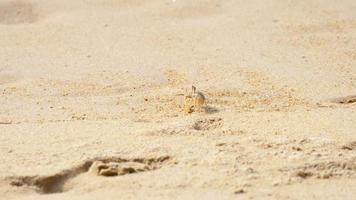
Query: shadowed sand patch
{"type": "Point", "coordinates": [325, 170]}
{"type": "Point", "coordinates": [17, 12]}
{"type": "Point", "coordinates": [345, 100]}
{"type": "Point", "coordinates": [108, 166]}
{"type": "Point", "coordinates": [208, 124]}
{"type": "Point", "coordinates": [349, 146]}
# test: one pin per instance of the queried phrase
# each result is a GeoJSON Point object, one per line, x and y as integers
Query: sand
{"type": "Point", "coordinates": [91, 95]}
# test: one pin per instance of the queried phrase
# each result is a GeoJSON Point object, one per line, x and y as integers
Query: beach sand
{"type": "Point", "coordinates": [91, 95]}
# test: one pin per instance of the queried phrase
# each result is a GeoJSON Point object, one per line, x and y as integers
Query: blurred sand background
{"type": "Point", "coordinates": [89, 80]}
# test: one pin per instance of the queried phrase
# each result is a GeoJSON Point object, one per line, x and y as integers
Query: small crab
{"type": "Point", "coordinates": [193, 101]}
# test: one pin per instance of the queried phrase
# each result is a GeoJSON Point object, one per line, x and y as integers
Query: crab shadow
{"type": "Point", "coordinates": [210, 110]}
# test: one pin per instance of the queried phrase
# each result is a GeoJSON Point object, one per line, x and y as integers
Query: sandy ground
{"type": "Point", "coordinates": [91, 96]}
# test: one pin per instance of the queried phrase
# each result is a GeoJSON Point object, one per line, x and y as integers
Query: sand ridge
{"type": "Point", "coordinates": [92, 93]}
